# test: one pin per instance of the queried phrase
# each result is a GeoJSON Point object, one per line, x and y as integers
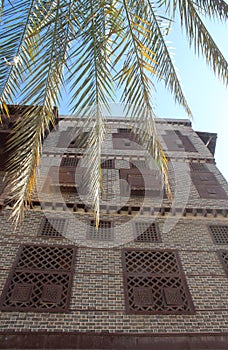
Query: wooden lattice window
{"type": "Point", "coordinates": [124, 130]}
{"type": "Point", "coordinates": [52, 227]}
{"type": "Point", "coordinates": [108, 164]}
{"type": "Point", "coordinates": [147, 182]}
{"type": "Point", "coordinates": [154, 282]}
{"type": "Point", "coordinates": [146, 232]}
{"type": "Point", "coordinates": [176, 141]}
{"type": "Point", "coordinates": [40, 279]}
{"type": "Point", "coordinates": [125, 141]}
{"type": "Point", "coordinates": [219, 233]}
{"type": "Point", "coordinates": [80, 141]}
{"type": "Point", "coordinates": [223, 255]}
{"type": "Point", "coordinates": [198, 167]}
{"type": "Point", "coordinates": [103, 233]}
{"type": "Point", "coordinates": [69, 161]}
{"type": "Point", "coordinates": [207, 185]}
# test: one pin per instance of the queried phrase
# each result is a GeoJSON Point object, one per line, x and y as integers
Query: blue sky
{"type": "Point", "coordinates": [206, 95]}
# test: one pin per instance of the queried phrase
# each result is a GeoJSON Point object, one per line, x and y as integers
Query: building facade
{"type": "Point", "coordinates": [155, 273]}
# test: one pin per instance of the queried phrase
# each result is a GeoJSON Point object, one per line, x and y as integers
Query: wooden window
{"type": "Point", "coordinates": [219, 233]}
{"type": "Point", "coordinates": [103, 233]}
{"type": "Point", "coordinates": [154, 282]}
{"type": "Point", "coordinates": [40, 279]}
{"type": "Point", "coordinates": [69, 161]}
{"type": "Point", "coordinates": [198, 167]}
{"type": "Point", "coordinates": [52, 227]}
{"type": "Point", "coordinates": [207, 185]}
{"type": "Point", "coordinates": [139, 183]}
{"type": "Point", "coordinates": [146, 232]}
{"type": "Point", "coordinates": [176, 141]}
{"type": "Point", "coordinates": [223, 256]}
{"type": "Point", "coordinates": [124, 130]}
{"type": "Point", "coordinates": [80, 141]}
{"type": "Point", "coordinates": [108, 164]}
{"type": "Point", "coordinates": [65, 140]}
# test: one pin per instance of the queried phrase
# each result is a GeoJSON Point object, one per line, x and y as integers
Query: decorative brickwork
{"type": "Point", "coordinates": [40, 279]}
{"type": "Point", "coordinates": [146, 232]}
{"type": "Point", "coordinates": [155, 283]}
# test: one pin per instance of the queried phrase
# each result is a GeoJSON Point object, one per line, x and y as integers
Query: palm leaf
{"type": "Point", "coordinates": [133, 77]}
{"type": "Point", "coordinates": [41, 88]}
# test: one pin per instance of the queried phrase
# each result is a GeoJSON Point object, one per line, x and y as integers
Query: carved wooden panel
{"type": "Point", "coordinates": [40, 279]}
{"type": "Point", "coordinates": [155, 283]}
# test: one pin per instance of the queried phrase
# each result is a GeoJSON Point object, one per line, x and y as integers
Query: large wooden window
{"type": "Point", "coordinates": [154, 282]}
{"type": "Point", "coordinates": [40, 279]}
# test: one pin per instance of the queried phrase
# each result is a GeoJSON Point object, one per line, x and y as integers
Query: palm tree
{"type": "Point", "coordinates": [95, 47]}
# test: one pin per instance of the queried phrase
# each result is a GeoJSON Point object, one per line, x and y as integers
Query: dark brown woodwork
{"type": "Point", "coordinates": [207, 185]}
{"type": "Point", "coordinates": [219, 233]}
{"type": "Point", "coordinates": [103, 233]}
{"type": "Point", "coordinates": [52, 227]}
{"type": "Point", "coordinates": [146, 232]}
{"type": "Point", "coordinates": [223, 256]}
{"type": "Point", "coordinates": [114, 341]}
{"type": "Point", "coordinates": [176, 141]}
{"type": "Point", "coordinates": [40, 279]}
{"type": "Point", "coordinates": [156, 276]}
{"type": "Point", "coordinates": [141, 182]}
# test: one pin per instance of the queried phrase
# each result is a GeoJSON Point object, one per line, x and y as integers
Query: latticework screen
{"type": "Point", "coordinates": [147, 232]}
{"type": "Point", "coordinates": [40, 279]}
{"type": "Point", "coordinates": [52, 227]}
{"type": "Point", "coordinates": [219, 234]}
{"type": "Point", "coordinates": [155, 283]}
{"type": "Point", "coordinates": [103, 233]}
{"type": "Point", "coordinates": [223, 255]}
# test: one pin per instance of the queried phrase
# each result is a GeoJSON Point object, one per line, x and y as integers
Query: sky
{"type": "Point", "coordinates": [206, 94]}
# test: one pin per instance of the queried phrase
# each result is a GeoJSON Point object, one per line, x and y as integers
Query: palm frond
{"type": "Point", "coordinates": [213, 9]}
{"type": "Point", "coordinates": [41, 88]}
{"type": "Point", "coordinates": [201, 39]}
{"type": "Point", "coordinates": [92, 86]}
{"type": "Point", "coordinates": [26, 145]}
{"type": "Point", "coordinates": [134, 79]}
{"type": "Point", "coordinates": [85, 43]}
{"type": "Point", "coordinates": [165, 68]}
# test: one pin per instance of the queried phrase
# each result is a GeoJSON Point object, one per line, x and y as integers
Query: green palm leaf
{"type": "Point", "coordinates": [95, 47]}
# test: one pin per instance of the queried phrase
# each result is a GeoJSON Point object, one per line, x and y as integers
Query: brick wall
{"type": "Point", "coordinates": [97, 302]}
